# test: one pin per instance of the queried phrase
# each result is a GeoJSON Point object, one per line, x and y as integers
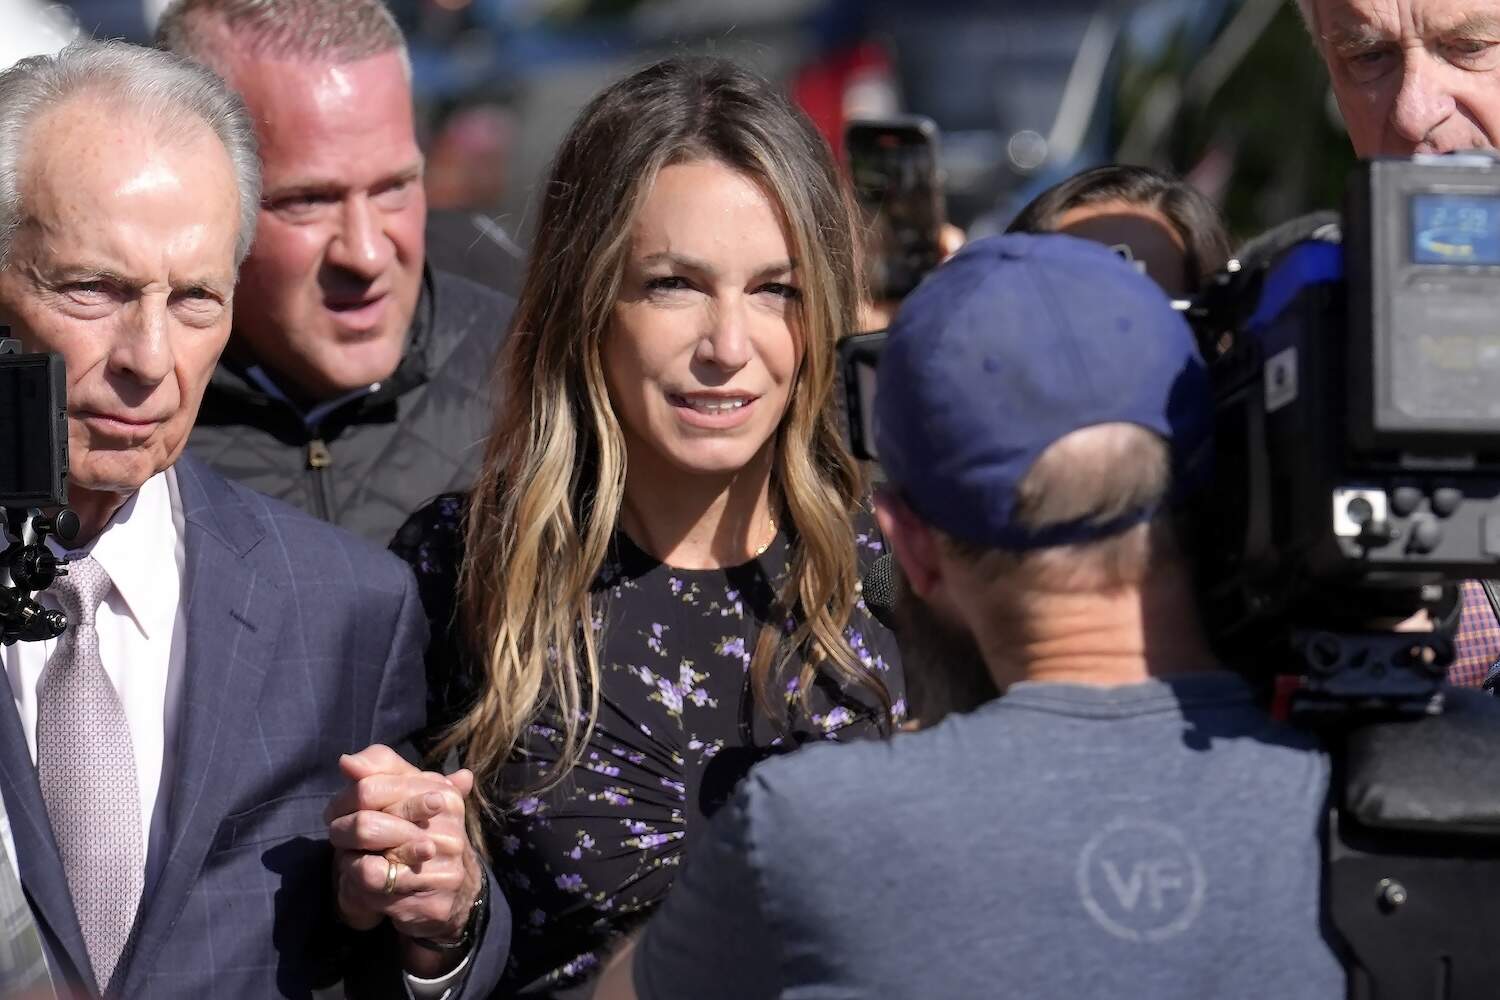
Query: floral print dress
{"type": "Point", "coordinates": [586, 861]}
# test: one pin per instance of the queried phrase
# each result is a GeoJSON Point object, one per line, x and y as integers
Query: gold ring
{"type": "Point", "coordinates": [392, 869]}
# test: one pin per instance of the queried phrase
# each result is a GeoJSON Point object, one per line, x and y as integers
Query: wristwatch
{"type": "Point", "coordinates": [472, 927]}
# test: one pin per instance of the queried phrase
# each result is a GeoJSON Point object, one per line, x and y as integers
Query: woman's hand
{"type": "Point", "coordinates": [402, 853]}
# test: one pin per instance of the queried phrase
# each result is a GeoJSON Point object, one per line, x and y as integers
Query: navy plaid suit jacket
{"type": "Point", "coordinates": [303, 643]}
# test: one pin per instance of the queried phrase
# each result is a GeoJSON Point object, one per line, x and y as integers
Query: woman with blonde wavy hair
{"type": "Point", "coordinates": [655, 582]}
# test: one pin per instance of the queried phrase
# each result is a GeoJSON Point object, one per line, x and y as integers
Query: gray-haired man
{"type": "Point", "coordinates": [1412, 76]}
{"type": "Point", "coordinates": [165, 764]}
{"type": "Point", "coordinates": [353, 385]}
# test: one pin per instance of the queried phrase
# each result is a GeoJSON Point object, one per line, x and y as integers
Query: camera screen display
{"type": "Point", "coordinates": [29, 441]}
{"type": "Point", "coordinates": [1457, 230]}
{"type": "Point", "coordinates": [865, 376]}
{"type": "Point", "coordinates": [859, 361]}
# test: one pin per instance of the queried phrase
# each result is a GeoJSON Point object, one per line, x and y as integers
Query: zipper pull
{"type": "Point", "coordinates": [318, 455]}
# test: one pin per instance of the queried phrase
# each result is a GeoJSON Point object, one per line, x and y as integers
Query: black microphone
{"type": "Point", "coordinates": [879, 589]}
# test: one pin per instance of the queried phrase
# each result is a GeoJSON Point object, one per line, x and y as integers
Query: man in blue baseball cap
{"type": "Point", "coordinates": [1121, 817]}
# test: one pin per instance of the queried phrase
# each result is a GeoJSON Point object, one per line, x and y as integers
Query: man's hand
{"type": "Point", "coordinates": [396, 820]}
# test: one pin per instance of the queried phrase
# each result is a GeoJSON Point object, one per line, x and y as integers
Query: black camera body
{"type": "Point", "coordinates": [1358, 440]}
{"type": "Point", "coordinates": [1356, 371]}
{"type": "Point", "coordinates": [1356, 367]}
{"type": "Point", "coordinates": [33, 488]}
{"type": "Point", "coordinates": [1357, 378]}
{"type": "Point", "coordinates": [33, 428]}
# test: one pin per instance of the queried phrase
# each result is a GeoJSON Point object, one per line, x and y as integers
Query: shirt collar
{"type": "Point", "coordinates": [313, 417]}
{"type": "Point", "coordinates": [138, 548]}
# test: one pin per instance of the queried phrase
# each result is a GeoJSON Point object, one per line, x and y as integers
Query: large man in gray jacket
{"type": "Point", "coordinates": [354, 383]}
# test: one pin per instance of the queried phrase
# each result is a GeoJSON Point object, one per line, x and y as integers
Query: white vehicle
{"type": "Point", "coordinates": [33, 28]}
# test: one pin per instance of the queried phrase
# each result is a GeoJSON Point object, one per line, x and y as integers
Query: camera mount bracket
{"type": "Point", "coordinates": [27, 565]}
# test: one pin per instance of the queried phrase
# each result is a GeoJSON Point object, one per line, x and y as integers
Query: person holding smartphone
{"type": "Point", "coordinates": [894, 166]}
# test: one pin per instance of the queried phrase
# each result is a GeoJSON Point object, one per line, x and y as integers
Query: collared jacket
{"type": "Point", "coordinates": [369, 459]}
{"type": "Point", "coordinates": [300, 643]}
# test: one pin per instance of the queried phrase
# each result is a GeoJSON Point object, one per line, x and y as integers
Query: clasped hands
{"type": "Point", "coordinates": [402, 852]}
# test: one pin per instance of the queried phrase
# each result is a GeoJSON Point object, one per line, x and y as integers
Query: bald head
{"type": "Point", "coordinates": [169, 96]}
{"type": "Point", "coordinates": [90, 161]}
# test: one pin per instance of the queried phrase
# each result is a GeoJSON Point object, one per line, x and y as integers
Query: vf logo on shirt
{"type": "Point", "coordinates": [1140, 880]}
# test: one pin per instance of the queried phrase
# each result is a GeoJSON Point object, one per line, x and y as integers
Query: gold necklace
{"type": "Point", "coordinates": [767, 543]}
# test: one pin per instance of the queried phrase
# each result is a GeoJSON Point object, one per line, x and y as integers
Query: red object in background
{"type": "Point", "coordinates": [832, 86]}
{"type": "Point", "coordinates": [1287, 686]}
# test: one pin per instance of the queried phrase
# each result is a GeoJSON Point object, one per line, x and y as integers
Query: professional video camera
{"type": "Point", "coordinates": [33, 488]}
{"type": "Point", "coordinates": [1357, 370]}
{"type": "Point", "coordinates": [1356, 366]}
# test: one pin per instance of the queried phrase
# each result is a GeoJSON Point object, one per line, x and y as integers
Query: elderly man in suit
{"type": "Point", "coordinates": [167, 765]}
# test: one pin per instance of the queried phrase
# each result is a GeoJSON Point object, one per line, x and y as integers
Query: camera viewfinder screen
{"type": "Point", "coordinates": [867, 374]}
{"type": "Point", "coordinates": [26, 455]}
{"type": "Point", "coordinates": [1455, 230]}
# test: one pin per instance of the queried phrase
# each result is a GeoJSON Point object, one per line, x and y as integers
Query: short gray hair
{"type": "Point", "coordinates": [168, 93]}
{"type": "Point", "coordinates": [337, 31]}
{"type": "Point", "coordinates": [1096, 475]}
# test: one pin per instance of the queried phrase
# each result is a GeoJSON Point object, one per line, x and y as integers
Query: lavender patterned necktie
{"type": "Point", "coordinates": [86, 765]}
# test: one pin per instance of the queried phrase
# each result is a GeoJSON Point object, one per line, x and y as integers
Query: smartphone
{"type": "Point", "coordinates": [893, 163]}
{"type": "Point", "coordinates": [33, 428]}
{"type": "Point", "coordinates": [859, 359]}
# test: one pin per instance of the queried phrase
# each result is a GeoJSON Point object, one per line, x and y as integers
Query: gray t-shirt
{"type": "Point", "coordinates": [1156, 840]}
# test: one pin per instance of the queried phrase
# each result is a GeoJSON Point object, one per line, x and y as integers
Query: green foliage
{"type": "Point", "coordinates": [1265, 141]}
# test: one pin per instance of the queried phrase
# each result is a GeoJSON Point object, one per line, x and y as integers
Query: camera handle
{"type": "Point", "coordinates": [28, 566]}
{"type": "Point", "coordinates": [1412, 842]}
{"type": "Point", "coordinates": [1412, 883]}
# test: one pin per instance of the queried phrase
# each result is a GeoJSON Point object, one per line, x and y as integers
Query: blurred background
{"type": "Point", "coordinates": [1227, 93]}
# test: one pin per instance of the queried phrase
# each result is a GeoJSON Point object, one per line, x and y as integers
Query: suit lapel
{"type": "Point", "coordinates": [231, 615]}
{"type": "Point", "coordinates": [40, 867]}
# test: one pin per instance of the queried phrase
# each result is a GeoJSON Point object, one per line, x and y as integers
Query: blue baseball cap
{"type": "Point", "coordinates": [1010, 346]}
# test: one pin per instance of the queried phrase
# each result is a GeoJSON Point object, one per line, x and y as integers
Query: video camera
{"type": "Point", "coordinates": [1357, 372]}
{"type": "Point", "coordinates": [33, 488]}
{"type": "Point", "coordinates": [1356, 368]}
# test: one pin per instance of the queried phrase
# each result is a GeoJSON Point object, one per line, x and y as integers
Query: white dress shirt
{"type": "Point", "coordinates": [142, 646]}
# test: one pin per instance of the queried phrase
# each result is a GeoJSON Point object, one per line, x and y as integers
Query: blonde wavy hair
{"type": "Point", "coordinates": [541, 519]}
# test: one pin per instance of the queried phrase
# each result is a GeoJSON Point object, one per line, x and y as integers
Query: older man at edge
{"type": "Point", "coordinates": [167, 763]}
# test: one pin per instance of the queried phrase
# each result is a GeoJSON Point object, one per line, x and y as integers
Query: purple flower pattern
{"type": "Point", "coordinates": [586, 860]}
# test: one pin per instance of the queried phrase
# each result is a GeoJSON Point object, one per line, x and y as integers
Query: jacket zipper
{"type": "Point", "coordinates": [319, 458]}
